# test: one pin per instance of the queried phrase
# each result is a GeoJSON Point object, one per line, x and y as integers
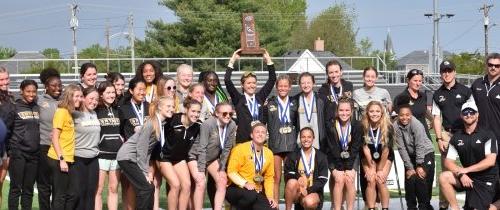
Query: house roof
{"type": "Point", "coordinates": [418, 57]}
{"type": "Point", "coordinates": [322, 56]}
{"type": "Point", "coordinates": [19, 67]}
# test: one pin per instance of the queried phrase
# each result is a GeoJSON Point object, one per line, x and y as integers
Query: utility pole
{"type": "Point", "coordinates": [486, 10]}
{"type": "Point", "coordinates": [107, 44]}
{"type": "Point", "coordinates": [73, 26]}
{"type": "Point", "coordinates": [132, 39]}
{"type": "Point", "coordinates": [436, 17]}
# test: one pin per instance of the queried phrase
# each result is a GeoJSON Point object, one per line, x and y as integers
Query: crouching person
{"type": "Point", "coordinates": [306, 173]}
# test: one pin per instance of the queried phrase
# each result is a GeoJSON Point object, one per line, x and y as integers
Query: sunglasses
{"type": "Point", "coordinates": [249, 73]}
{"type": "Point", "coordinates": [225, 114]}
{"type": "Point", "coordinates": [494, 65]}
{"type": "Point", "coordinates": [469, 112]}
{"type": "Point", "coordinates": [169, 88]}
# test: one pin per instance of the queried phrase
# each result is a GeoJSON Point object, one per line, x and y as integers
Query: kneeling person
{"type": "Point", "coordinates": [476, 148]}
{"type": "Point", "coordinates": [306, 173]}
{"type": "Point", "coordinates": [251, 172]}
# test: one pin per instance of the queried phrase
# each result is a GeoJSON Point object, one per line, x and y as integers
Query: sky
{"type": "Point", "coordinates": [33, 25]}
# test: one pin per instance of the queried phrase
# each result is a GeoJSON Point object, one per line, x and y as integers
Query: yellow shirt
{"type": "Point", "coordinates": [64, 122]}
{"type": "Point", "coordinates": [150, 93]}
{"type": "Point", "coordinates": [241, 167]}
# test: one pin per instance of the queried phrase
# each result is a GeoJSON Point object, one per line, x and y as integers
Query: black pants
{"type": "Point", "coordinates": [86, 171]}
{"type": "Point", "coordinates": [244, 199]}
{"type": "Point", "coordinates": [143, 189]}
{"type": "Point", "coordinates": [417, 189]}
{"type": "Point", "coordinates": [44, 179]}
{"type": "Point", "coordinates": [22, 170]}
{"type": "Point", "coordinates": [64, 186]}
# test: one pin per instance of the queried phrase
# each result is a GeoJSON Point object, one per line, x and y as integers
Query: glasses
{"type": "Point", "coordinates": [248, 74]}
{"type": "Point", "coordinates": [497, 66]}
{"type": "Point", "coordinates": [169, 88]}
{"type": "Point", "coordinates": [225, 114]}
{"type": "Point", "coordinates": [468, 112]}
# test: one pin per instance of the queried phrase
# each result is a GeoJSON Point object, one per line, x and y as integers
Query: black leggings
{"type": "Point", "coordinates": [44, 179]}
{"type": "Point", "coordinates": [418, 189]}
{"type": "Point", "coordinates": [64, 186]}
{"type": "Point", "coordinates": [246, 199]}
{"type": "Point", "coordinates": [87, 176]}
{"type": "Point", "coordinates": [22, 170]}
{"type": "Point", "coordinates": [143, 189]}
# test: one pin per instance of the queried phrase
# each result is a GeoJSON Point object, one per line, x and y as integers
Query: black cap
{"type": "Point", "coordinates": [446, 65]}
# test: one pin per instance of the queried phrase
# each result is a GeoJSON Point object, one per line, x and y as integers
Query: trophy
{"type": "Point", "coordinates": [249, 38]}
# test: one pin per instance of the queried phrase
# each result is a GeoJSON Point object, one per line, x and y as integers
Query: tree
{"type": "Point", "coordinates": [335, 26]}
{"type": "Point", "coordinates": [7, 52]}
{"type": "Point", "coordinates": [212, 29]}
{"type": "Point", "coordinates": [52, 53]}
{"type": "Point", "coordinates": [468, 63]}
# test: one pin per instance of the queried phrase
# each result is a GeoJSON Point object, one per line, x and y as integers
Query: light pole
{"type": "Point", "coordinates": [436, 17]}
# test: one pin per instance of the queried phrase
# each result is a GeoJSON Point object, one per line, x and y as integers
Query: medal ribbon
{"type": "Point", "coordinates": [259, 161]}
{"type": "Point", "coordinates": [222, 136]}
{"type": "Point", "coordinates": [139, 113]}
{"type": "Point", "coordinates": [307, 167]}
{"type": "Point", "coordinates": [149, 97]}
{"type": "Point", "coordinates": [334, 95]}
{"type": "Point", "coordinates": [308, 109]}
{"type": "Point", "coordinates": [162, 130]}
{"type": "Point", "coordinates": [375, 139]}
{"type": "Point", "coordinates": [253, 108]}
{"type": "Point", "coordinates": [283, 113]}
{"type": "Point", "coordinates": [211, 105]}
{"type": "Point", "coordinates": [344, 137]}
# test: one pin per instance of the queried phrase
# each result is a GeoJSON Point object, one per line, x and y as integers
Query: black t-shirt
{"type": "Point", "coordinates": [487, 99]}
{"type": "Point", "coordinates": [472, 149]}
{"type": "Point", "coordinates": [178, 138]}
{"type": "Point", "coordinates": [325, 92]}
{"type": "Point", "coordinates": [449, 102]}
{"type": "Point", "coordinates": [418, 107]}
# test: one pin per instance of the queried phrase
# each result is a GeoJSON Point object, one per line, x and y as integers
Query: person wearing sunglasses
{"type": "Point", "coordinates": [418, 99]}
{"type": "Point", "coordinates": [217, 136]}
{"type": "Point", "coordinates": [280, 116]}
{"type": "Point", "coordinates": [167, 88]}
{"type": "Point", "coordinates": [446, 104]}
{"type": "Point", "coordinates": [248, 105]}
{"type": "Point", "coordinates": [475, 146]}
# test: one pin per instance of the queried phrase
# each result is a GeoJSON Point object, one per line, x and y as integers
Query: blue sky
{"type": "Point", "coordinates": [38, 24]}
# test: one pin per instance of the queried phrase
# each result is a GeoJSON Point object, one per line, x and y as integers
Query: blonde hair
{"type": "Point", "coordinates": [154, 109]}
{"type": "Point", "coordinates": [384, 124]}
{"type": "Point", "coordinates": [67, 97]}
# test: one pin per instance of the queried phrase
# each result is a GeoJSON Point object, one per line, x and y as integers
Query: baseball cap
{"type": "Point", "coordinates": [446, 65]}
{"type": "Point", "coordinates": [469, 106]}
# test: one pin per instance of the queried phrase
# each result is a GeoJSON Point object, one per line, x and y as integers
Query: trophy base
{"type": "Point", "coordinates": [250, 51]}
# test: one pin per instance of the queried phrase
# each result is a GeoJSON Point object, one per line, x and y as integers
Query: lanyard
{"type": "Point", "coordinates": [149, 97]}
{"type": "Point", "coordinates": [259, 161]}
{"type": "Point", "coordinates": [222, 136]}
{"type": "Point", "coordinates": [308, 109]}
{"type": "Point", "coordinates": [344, 137]}
{"type": "Point", "coordinates": [307, 167]}
{"type": "Point", "coordinates": [283, 113]}
{"type": "Point", "coordinates": [489, 89]}
{"type": "Point", "coordinates": [211, 105]}
{"type": "Point", "coordinates": [139, 113]}
{"type": "Point", "coordinates": [110, 112]}
{"type": "Point", "coordinates": [375, 138]}
{"type": "Point", "coordinates": [162, 130]}
{"type": "Point", "coordinates": [334, 95]}
{"type": "Point", "coordinates": [252, 107]}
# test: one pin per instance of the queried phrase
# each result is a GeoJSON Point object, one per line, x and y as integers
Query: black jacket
{"type": "Point", "coordinates": [25, 129]}
{"type": "Point", "coordinates": [178, 138]}
{"type": "Point", "coordinates": [333, 148]}
{"type": "Point", "coordinates": [326, 94]}
{"type": "Point", "coordinates": [320, 173]}
{"type": "Point", "coordinates": [320, 106]}
{"type": "Point", "coordinates": [244, 117]}
{"type": "Point", "coordinates": [7, 115]}
{"type": "Point", "coordinates": [280, 142]}
{"type": "Point", "coordinates": [128, 118]}
{"type": "Point", "coordinates": [111, 139]}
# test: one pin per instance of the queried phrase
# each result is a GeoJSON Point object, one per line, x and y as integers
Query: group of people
{"type": "Point", "coordinates": [238, 146]}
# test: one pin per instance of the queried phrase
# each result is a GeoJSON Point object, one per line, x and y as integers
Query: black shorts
{"type": "Point", "coordinates": [480, 196]}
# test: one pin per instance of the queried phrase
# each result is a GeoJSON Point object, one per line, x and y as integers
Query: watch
{"type": "Point", "coordinates": [61, 157]}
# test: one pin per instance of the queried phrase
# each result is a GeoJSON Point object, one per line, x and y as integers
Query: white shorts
{"type": "Point", "coordinates": [108, 165]}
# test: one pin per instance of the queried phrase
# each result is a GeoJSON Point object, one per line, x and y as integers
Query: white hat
{"type": "Point", "coordinates": [469, 105]}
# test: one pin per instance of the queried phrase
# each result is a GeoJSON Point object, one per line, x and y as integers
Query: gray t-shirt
{"type": "Point", "coordinates": [363, 97]}
{"type": "Point", "coordinates": [305, 123]}
{"type": "Point", "coordinates": [48, 106]}
{"type": "Point", "coordinates": [87, 134]}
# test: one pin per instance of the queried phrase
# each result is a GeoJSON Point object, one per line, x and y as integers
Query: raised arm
{"type": "Point", "coordinates": [268, 87]}
{"type": "Point", "coordinates": [231, 89]}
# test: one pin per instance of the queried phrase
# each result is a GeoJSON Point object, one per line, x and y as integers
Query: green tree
{"type": "Point", "coordinates": [52, 53]}
{"type": "Point", "coordinates": [335, 26]}
{"type": "Point", "coordinates": [468, 63]}
{"type": "Point", "coordinates": [7, 52]}
{"type": "Point", "coordinates": [212, 29]}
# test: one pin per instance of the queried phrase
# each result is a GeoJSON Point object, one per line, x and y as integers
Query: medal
{"type": "Point", "coordinates": [139, 112]}
{"type": "Point", "coordinates": [375, 141]}
{"type": "Point", "coordinates": [283, 112]}
{"type": "Point", "coordinates": [307, 167]}
{"type": "Point", "coordinates": [285, 130]}
{"type": "Point", "coordinates": [344, 137]}
{"type": "Point", "coordinates": [149, 97]}
{"type": "Point", "coordinates": [308, 109]}
{"type": "Point", "coordinates": [259, 164]}
{"type": "Point", "coordinates": [162, 130]}
{"type": "Point", "coordinates": [253, 108]}
{"type": "Point", "coordinates": [222, 135]}
{"type": "Point", "coordinates": [344, 155]}
{"type": "Point", "coordinates": [334, 95]}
